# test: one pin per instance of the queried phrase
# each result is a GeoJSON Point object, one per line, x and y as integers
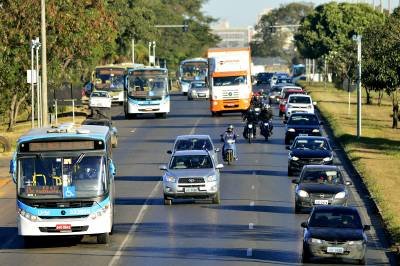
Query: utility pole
{"type": "Point", "coordinates": [44, 65]}
{"type": "Point", "coordinates": [154, 52]}
{"type": "Point", "coordinates": [358, 38]}
{"type": "Point", "coordinates": [38, 91]}
{"type": "Point", "coordinates": [32, 85]}
{"type": "Point", "coordinates": [133, 51]}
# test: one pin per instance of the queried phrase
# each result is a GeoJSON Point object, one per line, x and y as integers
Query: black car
{"type": "Point", "coordinates": [320, 185]}
{"type": "Point", "coordinates": [302, 124]}
{"type": "Point", "coordinates": [106, 123]}
{"type": "Point", "coordinates": [264, 77]}
{"type": "Point", "coordinates": [308, 150]}
{"type": "Point", "coordinates": [334, 232]}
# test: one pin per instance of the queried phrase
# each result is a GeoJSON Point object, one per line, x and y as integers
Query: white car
{"type": "Point", "coordinates": [299, 103]}
{"type": "Point", "coordinates": [100, 99]}
{"type": "Point", "coordinates": [198, 90]}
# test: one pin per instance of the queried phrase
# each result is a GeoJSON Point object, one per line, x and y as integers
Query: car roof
{"type": "Point", "coordinates": [191, 152]}
{"type": "Point", "coordinates": [298, 94]}
{"type": "Point", "coordinates": [312, 137]}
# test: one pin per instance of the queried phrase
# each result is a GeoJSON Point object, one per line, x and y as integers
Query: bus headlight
{"type": "Point", "coordinates": [27, 215]}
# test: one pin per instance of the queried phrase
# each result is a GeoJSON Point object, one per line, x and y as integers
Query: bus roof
{"type": "Point", "coordinates": [67, 130]}
{"type": "Point", "coordinates": [198, 59]}
{"type": "Point", "coordinates": [111, 66]}
{"type": "Point", "coordinates": [145, 68]}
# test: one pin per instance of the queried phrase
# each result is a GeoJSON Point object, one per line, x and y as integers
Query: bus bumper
{"type": "Point", "coordinates": [134, 108]}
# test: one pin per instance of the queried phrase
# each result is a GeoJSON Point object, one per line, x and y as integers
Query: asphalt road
{"type": "Point", "coordinates": [254, 224]}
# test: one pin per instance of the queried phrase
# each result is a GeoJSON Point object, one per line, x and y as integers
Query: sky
{"type": "Point", "coordinates": [243, 13]}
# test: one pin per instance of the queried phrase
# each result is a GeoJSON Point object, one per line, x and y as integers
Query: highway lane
{"type": "Point", "coordinates": [255, 223]}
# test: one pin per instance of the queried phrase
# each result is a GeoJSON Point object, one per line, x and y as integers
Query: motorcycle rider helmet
{"type": "Point", "coordinates": [230, 128]}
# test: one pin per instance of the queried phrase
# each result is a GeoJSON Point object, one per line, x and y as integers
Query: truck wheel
{"type": "Point", "coordinates": [103, 238]}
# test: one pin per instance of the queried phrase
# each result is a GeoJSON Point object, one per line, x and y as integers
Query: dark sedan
{"type": "Point", "coordinates": [302, 124]}
{"type": "Point", "coordinates": [334, 232]}
{"type": "Point", "coordinates": [308, 150]}
{"type": "Point", "coordinates": [320, 185]}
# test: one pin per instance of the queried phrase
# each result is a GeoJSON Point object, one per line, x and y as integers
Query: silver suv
{"type": "Point", "coordinates": [192, 174]}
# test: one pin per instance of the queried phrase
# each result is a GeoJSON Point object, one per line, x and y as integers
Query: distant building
{"type": "Point", "coordinates": [233, 37]}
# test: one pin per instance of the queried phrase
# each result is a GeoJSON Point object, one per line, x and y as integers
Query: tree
{"type": "Point", "coordinates": [328, 32]}
{"type": "Point", "coordinates": [272, 41]}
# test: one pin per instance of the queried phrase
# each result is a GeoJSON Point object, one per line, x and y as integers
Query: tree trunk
{"type": "Point", "coordinates": [18, 105]}
{"type": "Point", "coordinates": [380, 96]}
{"type": "Point", "coordinates": [368, 92]}
{"type": "Point", "coordinates": [11, 123]}
{"type": "Point", "coordinates": [395, 113]}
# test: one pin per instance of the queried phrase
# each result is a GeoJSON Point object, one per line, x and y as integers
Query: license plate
{"type": "Point", "coordinates": [149, 109]}
{"type": "Point", "coordinates": [321, 202]}
{"type": "Point", "coordinates": [230, 104]}
{"type": "Point", "coordinates": [303, 135]}
{"type": "Point", "coordinates": [63, 227]}
{"type": "Point", "coordinates": [337, 250]}
{"type": "Point", "coordinates": [201, 94]}
{"type": "Point", "coordinates": [191, 189]}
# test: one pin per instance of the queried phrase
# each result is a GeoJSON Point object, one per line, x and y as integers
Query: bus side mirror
{"type": "Point", "coordinates": [113, 170]}
{"type": "Point", "coordinates": [13, 168]}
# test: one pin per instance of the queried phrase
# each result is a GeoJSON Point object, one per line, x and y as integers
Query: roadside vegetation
{"type": "Point", "coordinates": [83, 34]}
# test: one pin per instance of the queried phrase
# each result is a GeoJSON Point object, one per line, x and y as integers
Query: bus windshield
{"type": "Point", "coordinates": [193, 71]}
{"type": "Point", "coordinates": [147, 86]}
{"type": "Point", "coordinates": [58, 177]}
{"type": "Point", "coordinates": [112, 79]}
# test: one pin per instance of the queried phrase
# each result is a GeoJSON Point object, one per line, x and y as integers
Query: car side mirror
{"type": "Point", "coordinates": [288, 148]}
{"type": "Point", "coordinates": [367, 227]}
{"type": "Point", "coordinates": [304, 224]}
{"type": "Point", "coordinates": [163, 167]}
{"type": "Point", "coordinates": [219, 166]}
{"type": "Point", "coordinates": [217, 150]}
{"type": "Point", "coordinates": [169, 152]}
{"type": "Point", "coordinates": [348, 183]}
{"type": "Point", "coordinates": [112, 168]}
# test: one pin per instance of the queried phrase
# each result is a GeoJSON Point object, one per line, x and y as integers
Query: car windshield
{"type": "Point", "coordinates": [197, 85]}
{"type": "Point", "coordinates": [80, 176]}
{"type": "Point", "coordinates": [230, 81]}
{"type": "Point", "coordinates": [311, 144]}
{"type": "Point", "coordinates": [299, 99]}
{"type": "Point", "coordinates": [321, 177]}
{"type": "Point", "coordinates": [191, 162]}
{"type": "Point", "coordinates": [99, 94]}
{"type": "Point", "coordinates": [193, 144]}
{"type": "Point", "coordinates": [340, 218]}
{"type": "Point", "coordinates": [303, 120]}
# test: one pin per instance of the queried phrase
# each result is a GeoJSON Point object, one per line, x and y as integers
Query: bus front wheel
{"type": "Point", "coordinates": [103, 238]}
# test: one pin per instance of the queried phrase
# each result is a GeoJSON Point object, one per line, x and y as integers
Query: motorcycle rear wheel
{"type": "Point", "coordinates": [229, 157]}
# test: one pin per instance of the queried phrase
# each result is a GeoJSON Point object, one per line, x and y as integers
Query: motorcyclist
{"type": "Point", "coordinates": [266, 115]}
{"type": "Point", "coordinates": [229, 134]}
{"type": "Point", "coordinates": [256, 100]}
{"type": "Point", "coordinates": [251, 116]}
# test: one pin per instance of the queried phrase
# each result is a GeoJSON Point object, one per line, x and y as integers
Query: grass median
{"type": "Point", "coordinates": [376, 155]}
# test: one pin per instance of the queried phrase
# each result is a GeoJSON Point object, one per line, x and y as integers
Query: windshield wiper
{"type": "Point", "coordinates": [80, 158]}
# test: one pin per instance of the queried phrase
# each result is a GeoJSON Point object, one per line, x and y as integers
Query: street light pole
{"type": "Point", "coordinates": [32, 86]}
{"type": "Point", "coordinates": [44, 65]}
{"type": "Point", "coordinates": [39, 99]}
{"type": "Point", "coordinates": [154, 52]}
{"type": "Point", "coordinates": [358, 38]}
{"type": "Point", "coordinates": [149, 53]}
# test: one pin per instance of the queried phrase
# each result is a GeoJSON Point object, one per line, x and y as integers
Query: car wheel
{"type": "Point", "coordinates": [190, 99]}
{"type": "Point", "coordinates": [167, 201]}
{"type": "Point", "coordinates": [289, 172]}
{"type": "Point", "coordinates": [280, 113]}
{"type": "Point", "coordinates": [287, 142]}
{"type": "Point", "coordinates": [185, 93]}
{"type": "Point", "coordinates": [297, 209]}
{"type": "Point", "coordinates": [216, 199]}
{"type": "Point", "coordinates": [103, 238]}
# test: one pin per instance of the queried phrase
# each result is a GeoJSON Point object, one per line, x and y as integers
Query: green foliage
{"type": "Point", "coordinates": [271, 42]}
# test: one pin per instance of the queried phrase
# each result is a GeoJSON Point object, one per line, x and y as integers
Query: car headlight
{"type": "Point", "coordinates": [293, 158]}
{"type": "Point", "coordinates": [327, 159]}
{"type": "Point", "coordinates": [211, 178]}
{"type": "Point", "coordinates": [289, 106]}
{"type": "Point", "coordinates": [356, 242]}
{"type": "Point", "coordinates": [315, 131]}
{"type": "Point", "coordinates": [250, 126]}
{"type": "Point", "coordinates": [340, 195]}
{"type": "Point", "coordinates": [315, 241]}
{"type": "Point", "coordinates": [302, 194]}
{"type": "Point", "coordinates": [171, 179]}
{"type": "Point", "coordinates": [291, 130]}
{"type": "Point", "coordinates": [309, 106]}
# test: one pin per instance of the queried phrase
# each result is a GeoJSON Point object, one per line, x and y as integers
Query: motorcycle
{"type": "Point", "coordinates": [228, 149]}
{"type": "Point", "coordinates": [248, 132]}
{"type": "Point", "coordinates": [265, 129]}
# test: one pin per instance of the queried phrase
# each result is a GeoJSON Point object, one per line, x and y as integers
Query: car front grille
{"type": "Point", "coordinates": [191, 180]}
{"type": "Point", "coordinates": [315, 196]}
{"type": "Point", "coordinates": [310, 161]}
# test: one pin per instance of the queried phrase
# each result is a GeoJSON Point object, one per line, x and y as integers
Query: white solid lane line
{"type": "Point", "coordinates": [251, 203]}
{"type": "Point", "coordinates": [249, 252]}
{"type": "Point", "coordinates": [251, 226]}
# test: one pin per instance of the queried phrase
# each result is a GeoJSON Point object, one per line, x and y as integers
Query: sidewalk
{"type": "Point", "coordinates": [4, 169]}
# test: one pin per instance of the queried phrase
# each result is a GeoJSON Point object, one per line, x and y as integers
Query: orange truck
{"type": "Point", "coordinates": [229, 79]}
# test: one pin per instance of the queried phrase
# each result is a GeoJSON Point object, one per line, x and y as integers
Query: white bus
{"type": "Point", "coordinates": [190, 70]}
{"type": "Point", "coordinates": [147, 92]}
{"type": "Point", "coordinates": [65, 182]}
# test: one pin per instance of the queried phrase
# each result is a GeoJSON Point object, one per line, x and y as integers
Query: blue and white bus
{"type": "Point", "coordinates": [147, 92]}
{"type": "Point", "coordinates": [191, 70]}
{"type": "Point", "coordinates": [65, 182]}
